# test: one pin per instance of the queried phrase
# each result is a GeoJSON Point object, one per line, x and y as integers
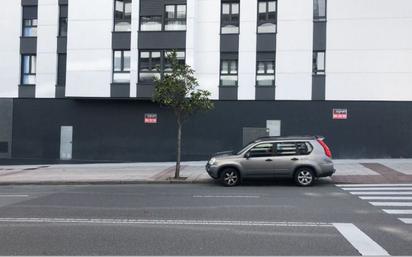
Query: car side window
{"type": "Point", "coordinates": [292, 148]}
{"type": "Point", "coordinates": [286, 148]}
{"type": "Point", "coordinates": [303, 148]}
{"type": "Point", "coordinates": [262, 150]}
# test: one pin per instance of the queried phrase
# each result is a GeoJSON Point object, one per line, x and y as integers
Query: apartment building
{"type": "Point", "coordinates": [76, 77]}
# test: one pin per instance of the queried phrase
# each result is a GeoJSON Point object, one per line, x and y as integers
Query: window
{"type": "Point", "coordinates": [175, 17]}
{"type": "Point", "coordinates": [293, 148]}
{"type": "Point", "coordinates": [155, 64]}
{"type": "Point", "coordinates": [230, 17]}
{"type": "Point", "coordinates": [265, 69]}
{"type": "Point", "coordinates": [167, 65]}
{"type": "Point", "coordinates": [29, 21]}
{"type": "Point", "coordinates": [319, 63]}
{"type": "Point", "coordinates": [267, 16]}
{"type": "Point", "coordinates": [149, 63]}
{"type": "Point", "coordinates": [123, 15]}
{"type": "Point", "coordinates": [61, 70]}
{"type": "Point", "coordinates": [30, 28]}
{"type": "Point", "coordinates": [63, 21]}
{"type": "Point", "coordinates": [28, 65]}
{"type": "Point", "coordinates": [228, 73]}
{"type": "Point", "coordinates": [121, 66]}
{"type": "Point", "coordinates": [151, 23]}
{"type": "Point", "coordinates": [262, 150]}
{"type": "Point", "coordinates": [319, 10]}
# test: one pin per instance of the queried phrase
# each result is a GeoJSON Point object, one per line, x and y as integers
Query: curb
{"type": "Point", "coordinates": [103, 182]}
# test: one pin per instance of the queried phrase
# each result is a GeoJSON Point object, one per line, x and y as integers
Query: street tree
{"type": "Point", "coordinates": [178, 90]}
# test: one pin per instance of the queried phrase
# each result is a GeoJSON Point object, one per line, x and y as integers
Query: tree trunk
{"type": "Point", "coordinates": [179, 146]}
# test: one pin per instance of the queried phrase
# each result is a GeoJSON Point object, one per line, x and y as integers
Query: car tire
{"type": "Point", "coordinates": [304, 177]}
{"type": "Point", "coordinates": [230, 177]}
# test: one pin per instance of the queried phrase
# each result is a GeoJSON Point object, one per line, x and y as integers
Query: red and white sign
{"type": "Point", "coordinates": [340, 114]}
{"type": "Point", "coordinates": [150, 118]}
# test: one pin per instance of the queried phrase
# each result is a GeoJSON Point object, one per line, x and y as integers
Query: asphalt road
{"type": "Point", "coordinates": [274, 218]}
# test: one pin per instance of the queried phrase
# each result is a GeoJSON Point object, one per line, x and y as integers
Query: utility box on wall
{"type": "Point", "coordinates": [6, 126]}
{"type": "Point", "coordinates": [274, 127]}
{"type": "Point", "coordinates": [250, 134]}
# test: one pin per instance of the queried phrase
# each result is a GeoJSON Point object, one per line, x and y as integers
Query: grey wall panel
{"type": "Point", "coordinates": [318, 87]}
{"type": "Point", "coordinates": [162, 40]}
{"type": "Point", "coordinates": [228, 93]}
{"type": "Point", "coordinates": [27, 91]}
{"type": "Point", "coordinates": [229, 43]}
{"type": "Point", "coordinates": [319, 36]}
{"type": "Point", "coordinates": [30, 8]}
{"type": "Point", "coordinates": [60, 92]}
{"type": "Point", "coordinates": [265, 93]}
{"type": "Point", "coordinates": [61, 45]}
{"type": "Point", "coordinates": [121, 40]}
{"type": "Point", "coordinates": [266, 42]}
{"type": "Point", "coordinates": [120, 90]}
{"type": "Point", "coordinates": [151, 7]}
{"type": "Point", "coordinates": [156, 7]}
{"type": "Point", "coordinates": [115, 130]}
{"type": "Point", "coordinates": [28, 45]}
{"type": "Point", "coordinates": [145, 90]}
{"type": "Point", "coordinates": [6, 125]}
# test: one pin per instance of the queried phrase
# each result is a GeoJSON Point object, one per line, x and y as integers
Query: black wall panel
{"type": "Point", "coordinates": [113, 130]}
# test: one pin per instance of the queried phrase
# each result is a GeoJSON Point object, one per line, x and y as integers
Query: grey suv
{"type": "Point", "coordinates": [303, 158]}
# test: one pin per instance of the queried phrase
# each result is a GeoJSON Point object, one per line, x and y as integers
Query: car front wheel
{"type": "Point", "coordinates": [304, 177]}
{"type": "Point", "coordinates": [230, 177]}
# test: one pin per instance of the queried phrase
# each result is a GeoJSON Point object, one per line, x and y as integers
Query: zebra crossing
{"type": "Point", "coordinates": [394, 199]}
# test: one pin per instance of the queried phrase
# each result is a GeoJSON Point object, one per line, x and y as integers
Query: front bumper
{"type": "Point", "coordinates": [212, 171]}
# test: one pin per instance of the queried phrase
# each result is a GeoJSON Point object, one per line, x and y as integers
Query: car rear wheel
{"type": "Point", "coordinates": [304, 177]}
{"type": "Point", "coordinates": [230, 177]}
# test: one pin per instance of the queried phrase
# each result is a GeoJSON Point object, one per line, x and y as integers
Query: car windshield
{"type": "Point", "coordinates": [243, 150]}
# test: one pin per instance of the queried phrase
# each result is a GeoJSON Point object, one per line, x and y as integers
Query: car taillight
{"type": "Point", "coordinates": [326, 148]}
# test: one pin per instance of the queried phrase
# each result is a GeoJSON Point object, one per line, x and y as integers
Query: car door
{"type": "Point", "coordinates": [286, 158]}
{"type": "Point", "coordinates": [260, 161]}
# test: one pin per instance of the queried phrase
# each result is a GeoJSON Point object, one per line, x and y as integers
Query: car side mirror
{"type": "Point", "coordinates": [247, 155]}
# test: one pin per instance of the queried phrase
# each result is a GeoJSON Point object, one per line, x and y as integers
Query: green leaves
{"type": "Point", "coordinates": [178, 90]}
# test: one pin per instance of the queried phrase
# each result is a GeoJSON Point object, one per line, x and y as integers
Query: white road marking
{"type": "Point", "coordinates": [359, 240]}
{"type": "Point", "coordinates": [391, 203]}
{"type": "Point", "coordinates": [378, 188]}
{"type": "Point", "coordinates": [390, 211]}
{"type": "Point", "coordinates": [385, 197]}
{"type": "Point", "coordinates": [381, 193]}
{"type": "Point", "coordinates": [14, 195]}
{"type": "Point", "coordinates": [371, 185]}
{"type": "Point", "coordinates": [226, 196]}
{"type": "Point", "coordinates": [406, 221]}
{"type": "Point", "coordinates": [167, 222]}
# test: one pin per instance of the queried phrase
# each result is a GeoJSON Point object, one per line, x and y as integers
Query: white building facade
{"type": "Point", "coordinates": [246, 51]}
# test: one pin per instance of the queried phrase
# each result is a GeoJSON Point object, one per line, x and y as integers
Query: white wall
{"type": "Point", "coordinates": [10, 31]}
{"type": "Point", "coordinates": [369, 50]}
{"type": "Point", "coordinates": [134, 52]}
{"type": "Point", "coordinates": [89, 53]}
{"type": "Point", "coordinates": [294, 50]}
{"type": "Point", "coordinates": [206, 36]}
{"type": "Point", "coordinates": [247, 50]}
{"type": "Point", "coordinates": [47, 31]}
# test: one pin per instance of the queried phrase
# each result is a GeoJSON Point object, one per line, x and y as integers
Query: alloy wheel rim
{"type": "Point", "coordinates": [305, 177]}
{"type": "Point", "coordinates": [230, 178]}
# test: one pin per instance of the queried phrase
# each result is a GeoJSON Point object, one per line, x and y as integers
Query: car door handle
{"type": "Point", "coordinates": [294, 159]}
{"type": "Point", "coordinates": [268, 160]}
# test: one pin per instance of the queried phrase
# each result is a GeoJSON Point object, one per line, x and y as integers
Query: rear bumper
{"type": "Point", "coordinates": [326, 170]}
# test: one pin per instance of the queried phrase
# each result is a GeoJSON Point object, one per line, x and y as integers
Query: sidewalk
{"type": "Point", "coordinates": [347, 171]}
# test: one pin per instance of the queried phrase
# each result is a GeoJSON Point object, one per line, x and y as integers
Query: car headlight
{"type": "Point", "coordinates": [212, 161]}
